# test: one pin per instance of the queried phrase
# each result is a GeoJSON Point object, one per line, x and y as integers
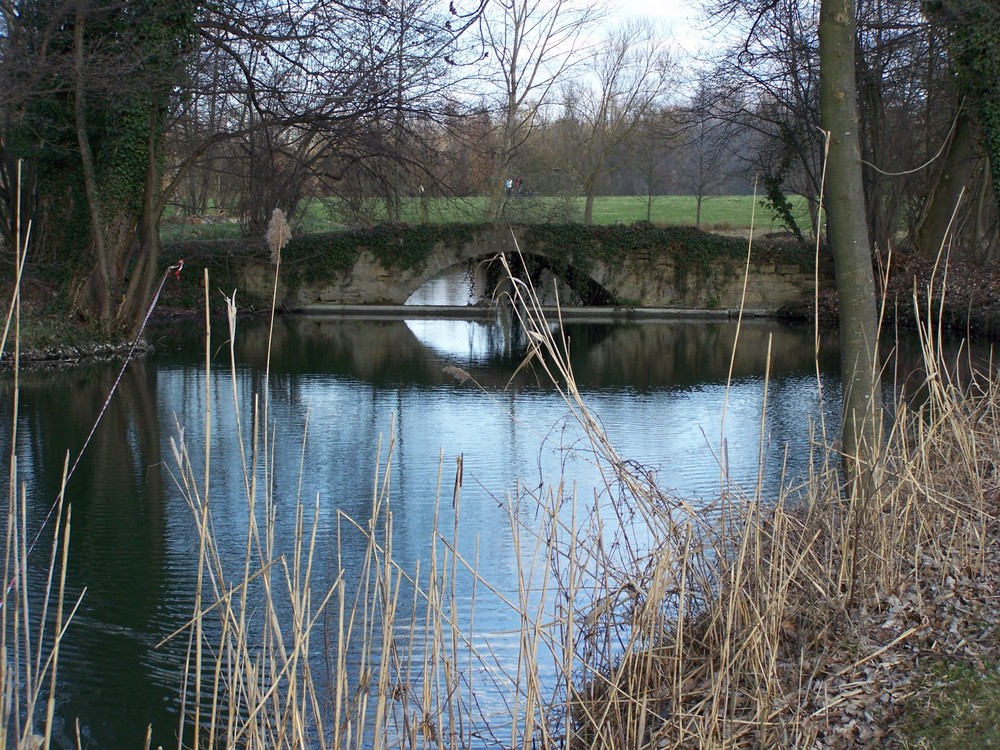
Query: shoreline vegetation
{"type": "Point", "coordinates": [811, 620]}
{"type": "Point", "coordinates": [965, 294]}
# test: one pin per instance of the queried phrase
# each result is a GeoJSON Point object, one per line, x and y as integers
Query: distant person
{"type": "Point", "coordinates": [509, 186]}
{"type": "Point", "coordinates": [517, 186]}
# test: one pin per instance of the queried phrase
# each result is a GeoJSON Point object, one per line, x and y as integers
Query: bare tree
{"type": "Point", "coordinates": [655, 140]}
{"type": "Point", "coordinates": [531, 46]}
{"type": "Point", "coordinates": [292, 84]}
{"type": "Point", "coordinates": [628, 80]}
{"type": "Point", "coordinates": [769, 84]}
{"type": "Point", "coordinates": [921, 118]}
{"type": "Point", "coordinates": [964, 195]}
{"type": "Point", "coordinates": [706, 139]}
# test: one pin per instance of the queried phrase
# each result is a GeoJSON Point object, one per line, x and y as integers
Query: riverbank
{"type": "Point", "coordinates": [817, 618]}
{"type": "Point", "coordinates": [837, 629]}
{"type": "Point", "coordinates": [966, 301]}
{"type": "Point", "coordinates": [965, 296]}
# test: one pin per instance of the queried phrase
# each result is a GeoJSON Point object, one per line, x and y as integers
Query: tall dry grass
{"type": "Point", "coordinates": [745, 624]}
{"type": "Point", "coordinates": [644, 621]}
{"type": "Point", "coordinates": [33, 615]}
{"type": "Point", "coordinates": [283, 654]}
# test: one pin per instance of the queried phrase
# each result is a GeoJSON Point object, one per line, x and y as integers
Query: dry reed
{"type": "Point", "coordinates": [280, 655]}
{"type": "Point", "coordinates": [737, 625]}
{"type": "Point", "coordinates": [278, 234]}
{"type": "Point", "coordinates": [30, 637]}
{"type": "Point", "coordinates": [747, 623]}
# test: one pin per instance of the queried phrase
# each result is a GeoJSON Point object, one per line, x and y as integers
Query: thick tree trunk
{"type": "Point", "coordinates": [97, 291]}
{"type": "Point", "coordinates": [955, 176]}
{"type": "Point", "coordinates": [112, 222]}
{"type": "Point", "coordinates": [132, 310]}
{"type": "Point", "coordinates": [845, 202]}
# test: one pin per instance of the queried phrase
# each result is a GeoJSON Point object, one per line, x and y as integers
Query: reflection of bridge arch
{"type": "Point", "coordinates": [689, 352]}
{"type": "Point", "coordinates": [378, 351]}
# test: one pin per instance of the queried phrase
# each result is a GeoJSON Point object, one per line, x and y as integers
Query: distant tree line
{"type": "Point", "coordinates": [125, 112]}
{"type": "Point", "coordinates": [928, 82]}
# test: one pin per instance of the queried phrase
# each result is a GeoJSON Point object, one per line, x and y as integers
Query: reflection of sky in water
{"type": "Point", "coordinates": [700, 439]}
{"type": "Point", "coordinates": [521, 438]}
{"type": "Point", "coordinates": [461, 341]}
{"type": "Point", "coordinates": [333, 400]}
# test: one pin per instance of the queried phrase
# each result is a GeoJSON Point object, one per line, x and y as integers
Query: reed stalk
{"type": "Point", "coordinates": [29, 639]}
{"type": "Point", "coordinates": [732, 627]}
{"type": "Point", "coordinates": [643, 621]}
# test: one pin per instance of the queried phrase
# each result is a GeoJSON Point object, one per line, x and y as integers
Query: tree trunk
{"type": "Point", "coordinates": [135, 301]}
{"type": "Point", "coordinates": [497, 190]}
{"type": "Point", "coordinates": [960, 161]}
{"type": "Point", "coordinates": [132, 310]}
{"type": "Point", "coordinates": [985, 240]}
{"type": "Point", "coordinates": [845, 202]}
{"type": "Point", "coordinates": [96, 292]}
{"type": "Point", "coordinates": [588, 206]}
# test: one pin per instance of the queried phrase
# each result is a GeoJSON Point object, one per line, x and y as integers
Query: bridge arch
{"type": "Point", "coordinates": [535, 265]}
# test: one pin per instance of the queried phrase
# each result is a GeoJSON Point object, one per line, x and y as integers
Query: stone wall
{"type": "Point", "coordinates": [661, 283]}
{"type": "Point", "coordinates": [652, 277]}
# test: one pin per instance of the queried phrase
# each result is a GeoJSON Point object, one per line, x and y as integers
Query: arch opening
{"type": "Point", "coordinates": [475, 281]}
{"type": "Point", "coordinates": [457, 285]}
{"type": "Point", "coordinates": [549, 278]}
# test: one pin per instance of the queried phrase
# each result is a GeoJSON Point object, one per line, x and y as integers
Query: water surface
{"type": "Point", "coordinates": [340, 388]}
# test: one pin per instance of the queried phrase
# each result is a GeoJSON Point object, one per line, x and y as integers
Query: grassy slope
{"type": "Point", "coordinates": [723, 212]}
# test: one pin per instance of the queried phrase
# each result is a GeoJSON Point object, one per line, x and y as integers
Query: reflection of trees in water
{"type": "Point", "coordinates": [906, 368]}
{"type": "Point", "coordinates": [57, 410]}
{"type": "Point", "coordinates": [640, 355]}
{"type": "Point", "coordinates": [688, 353]}
{"type": "Point", "coordinates": [637, 355]}
{"type": "Point", "coordinates": [118, 545]}
{"type": "Point", "coordinates": [380, 352]}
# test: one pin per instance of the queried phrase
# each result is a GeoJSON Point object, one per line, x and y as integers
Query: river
{"type": "Point", "coordinates": [338, 389]}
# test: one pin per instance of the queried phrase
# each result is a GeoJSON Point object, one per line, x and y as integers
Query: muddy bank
{"type": "Point", "coordinates": [962, 297]}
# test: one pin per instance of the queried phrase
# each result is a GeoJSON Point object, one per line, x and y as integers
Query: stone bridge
{"type": "Point", "coordinates": [657, 272]}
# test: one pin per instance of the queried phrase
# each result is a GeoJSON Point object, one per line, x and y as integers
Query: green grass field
{"type": "Point", "coordinates": [718, 213]}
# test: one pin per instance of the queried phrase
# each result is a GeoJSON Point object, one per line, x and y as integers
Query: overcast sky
{"type": "Point", "coordinates": [675, 12]}
{"type": "Point", "coordinates": [684, 18]}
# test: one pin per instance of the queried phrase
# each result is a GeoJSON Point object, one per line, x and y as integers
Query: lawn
{"type": "Point", "coordinates": [959, 708]}
{"type": "Point", "coordinates": [718, 213]}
